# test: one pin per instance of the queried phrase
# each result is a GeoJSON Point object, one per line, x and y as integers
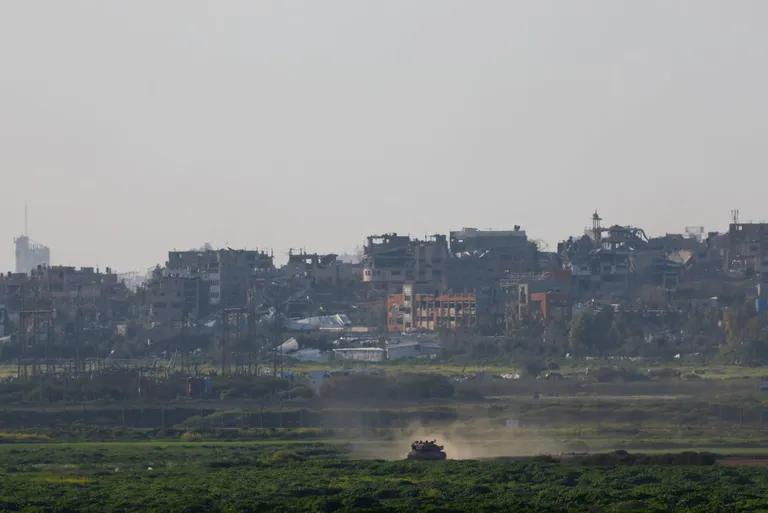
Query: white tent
{"type": "Point", "coordinates": [336, 321]}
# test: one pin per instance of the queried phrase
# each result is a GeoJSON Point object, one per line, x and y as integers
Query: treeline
{"type": "Point", "coordinates": [737, 335]}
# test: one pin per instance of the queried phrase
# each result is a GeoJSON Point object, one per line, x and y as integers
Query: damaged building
{"type": "Point", "coordinates": [619, 257]}
{"type": "Point", "coordinates": [479, 258]}
{"type": "Point", "coordinates": [324, 269]}
{"type": "Point", "coordinates": [539, 297]}
{"type": "Point", "coordinates": [390, 260]}
{"type": "Point", "coordinates": [171, 299]}
{"type": "Point", "coordinates": [414, 311]}
{"type": "Point", "coordinates": [747, 250]}
{"type": "Point", "coordinates": [226, 272]}
{"type": "Point", "coordinates": [76, 297]}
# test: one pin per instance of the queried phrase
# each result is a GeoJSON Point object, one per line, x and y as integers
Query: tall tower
{"type": "Point", "coordinates": [22, 253]}
{"type": "Point", "coordinates": [597, 230]}
{"type": "Point", "coordinates": [29, 254]}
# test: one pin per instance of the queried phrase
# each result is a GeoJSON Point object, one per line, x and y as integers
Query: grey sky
{"type": "Point", "coordinates": [133, 127]}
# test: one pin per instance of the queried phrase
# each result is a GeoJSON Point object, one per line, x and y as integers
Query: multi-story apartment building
{"type": "Point", "coordinates": [747, 248]}
{"type": "Point", "coordinates": [411, 311]}
{"type": "Point", "coordinates": [391, 260]}
{"type": "Point", "coordinates": [226, 272]}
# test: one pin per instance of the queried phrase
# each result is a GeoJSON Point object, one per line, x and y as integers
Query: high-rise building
{"type": "Point", "coordinates": [30, 254]}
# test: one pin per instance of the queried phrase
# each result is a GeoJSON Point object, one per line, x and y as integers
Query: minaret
{"type": "Point", "coordinates": [597, 230]}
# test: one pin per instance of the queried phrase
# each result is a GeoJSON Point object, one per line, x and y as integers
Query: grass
{"type": "Point", "coordinates": [250, 477]}
{"type": "Point", "coordinates": [567, 368]}
{"type": "Point", "coordinates": [7, 371]}
{"type": "Point", "coordinates": [232, 461]}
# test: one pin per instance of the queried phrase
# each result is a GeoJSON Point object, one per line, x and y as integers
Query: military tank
{"type": "Point", "coordinates": [426, 450]}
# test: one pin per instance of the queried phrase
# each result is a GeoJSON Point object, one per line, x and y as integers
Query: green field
{"type": "Point", "coordinates": [529, 444]}
{"type": "Point", "coordinates": [705, 370]}
{"type": "Point", "coordinates": [257, 477]}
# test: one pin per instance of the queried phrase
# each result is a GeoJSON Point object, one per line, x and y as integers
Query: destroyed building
{"type": "Point", "coordinates": [487, 281]}
{"type": "Point", "coordinates": [325, 269]}
{"type": "Point", "coordinates": [66, 288]}
{"type": "Point", "coordinates": [479, 258]}
{"type": "Point", "coordinates": [226, 272]}
{"type": "Point", "coordinates": [390, 260]}
{"type": "Point", "coordinates": [413, 311]}
{"type": "Point", "coordinates": [77, 298]}
{"type": "Point", "coordinates": [621, 257]}
{"type": "Point", "coordinates": [170, 299]}
{"type": "Point", "coordinates": [98, 296]}
{"type": "Point", "coordinates": [511, 248]}
{"type": "Point", "coordinates": [475, 259]}
{"type": "Point", "coordinates": [541, 297]}
{"type": "Point", "coordinates": [747, 250]}
{"type": "Point", "coordinates": [19, 291]}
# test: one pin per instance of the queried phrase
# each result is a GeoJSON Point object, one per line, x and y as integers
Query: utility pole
{"type": "Point", "coordinates": [224, 335]}
{"type": "Point", "coordinates": [274, 362]}
{"type": "Point", "coordinates": [183, 343]}
{"type": "Point", "coordinates": [21, 333]}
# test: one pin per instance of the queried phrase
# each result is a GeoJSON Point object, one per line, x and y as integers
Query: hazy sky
{"type": "Point", "coordinates": [134, 127]}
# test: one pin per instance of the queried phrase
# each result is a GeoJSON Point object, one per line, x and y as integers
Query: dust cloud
{"type": "Point", "coordinates": [461, 441]}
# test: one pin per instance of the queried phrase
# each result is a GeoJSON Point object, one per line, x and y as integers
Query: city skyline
{"type": "Point", "coordinates": [282, 253]}
{"type": "Point", "coordinates": [305, 125]}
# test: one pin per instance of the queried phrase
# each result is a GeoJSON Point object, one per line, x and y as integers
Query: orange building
{"type": "Point", "coordinates": [551, 305]}
{"type": "Point", "coordinates": [430, 312]}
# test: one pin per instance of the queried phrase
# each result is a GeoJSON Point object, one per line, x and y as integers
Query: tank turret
{"type": "Point", "coordinates": [426, 450]}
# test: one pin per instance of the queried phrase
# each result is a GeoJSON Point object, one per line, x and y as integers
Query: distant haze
{"type": "Point", "coordinates": [134, 127]}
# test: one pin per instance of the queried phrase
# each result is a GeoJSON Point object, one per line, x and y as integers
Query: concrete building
{"type": "Point", "coordinates": [610, 256]}
{"type": "Point", "coordinates": [550, 305]}
{"type": "Point", "coordinates": [390, 260]}
{"type": "Point", "coordinates": [17, 292]}
{"type": "Point", "coordinates": [360, 354]}
{"type": "Point", "coordinates": [226, 272]}
{"type": "Point", "coordinates": [747, 249]}
{"type": "Point", "coordinates": [535, 296]}
{"type": "Point", "coordinates": [77, 298]}
{"type": "Point", "coordinates": [413, 348]}
{"type": "Point", "coordinates": [30, 255]}
{"type": "Point", "coordinates": [471, 241]}
{"type": "Point", "coordinates": [321, 269]}
{"type": "Point", "coordinates": [172, 300]}
{"type": "Point", "coordinates": [411, 311]}
{"type": "Point", "coordinates": [479, 258]}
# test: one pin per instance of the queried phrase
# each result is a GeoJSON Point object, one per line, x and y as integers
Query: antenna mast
{"type": "Point", "coordinates": [26, 221]}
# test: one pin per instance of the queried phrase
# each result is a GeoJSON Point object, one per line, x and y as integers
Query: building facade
{"type": "Point", "coordinates": [227, 273]}
{"type": "Point", "coordinates": [411, 311]}
{"type": "Point", "coordinates": [30, 255]}
{"type": "Point", "coordinates": [322, 269]}
{"type": "Point", "coordinates": [479, 258]}
{"type": "Point", "coordinates": [747, 248]}
{"type": "Point", "coordinates": [391, 260]}
{"type": "Point", "coordinates": [167, 299]}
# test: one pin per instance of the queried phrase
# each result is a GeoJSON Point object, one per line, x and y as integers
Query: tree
{"type": "Point", "coordinates": [594, 332]}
